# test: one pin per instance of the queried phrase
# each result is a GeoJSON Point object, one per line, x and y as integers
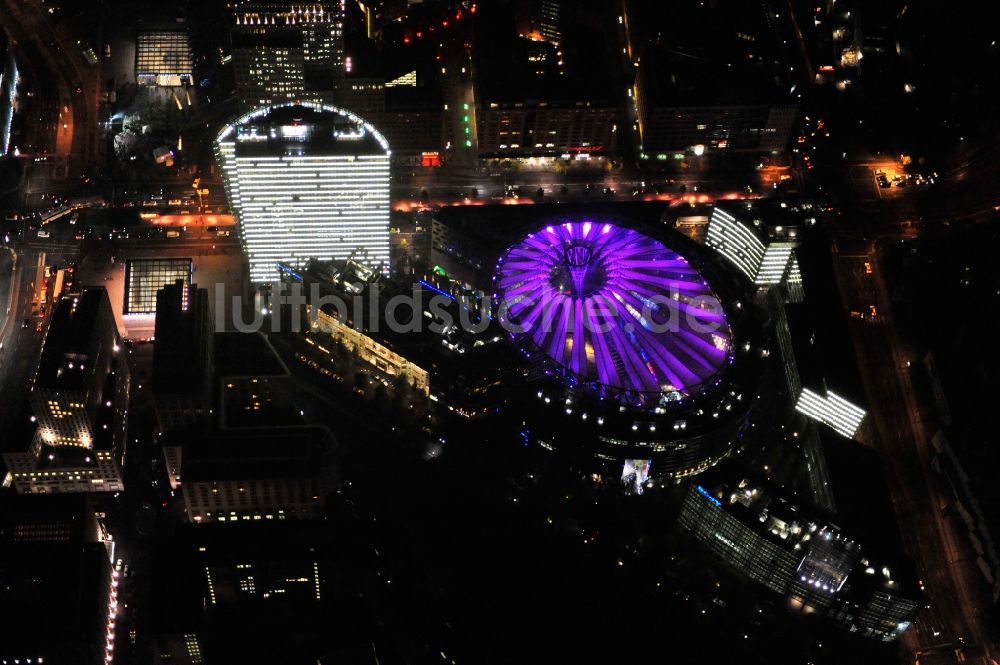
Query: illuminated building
{"type": "Point", "coordinates": [534, 102]}
{"type": "Point", "coordinates": [519, 129]}
{"type": "Point", "coordinates": [239, 589]}
{"type": "Point", "coordinates": [285, 50]}
{"type": "Point", "coordinates": [584, 273]}
{"type": "Point", "coordinates": [639, 350]}
{"type": "Point", "coordinates": [767, 253]}
{"type": "Point", "coordinates": [818, 353]}
{"type": "Point", "coordinates": [796, 550]}
{"type": "Point", "coordinates": [253, 474]}
{"type": "Point", "coordinates": [436, 359]}
{"type": "Point", "coordinates": [306, 181]}
{"type": "Point", "coordinates": [9, 80]}
{"type": "Point", "coordinates": [763, 252]}
{"type": "Point", "coordinates": [364, 96]}
{"type": "Point", "coordinates": [400, 93]}
{"type": "Point", "coordinates": [145, 277]}
{"type": "Point", "coordinates": [383, 360]}
{"type": "Point", "coordinates": [163, 58]}
{"type": "Point", "coordinates": [413, 121]}
{"type": "Point", "coordinates": [254, 385]}
{"type": "Point", "coordinates": [539, 20]}
{"type": "Point", "coordinates": [79, 397]}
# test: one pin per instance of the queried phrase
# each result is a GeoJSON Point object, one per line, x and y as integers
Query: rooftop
{"type": "Point", "coordinates": [824, 350]}
{"type": "Point", "coordinates": [515, 69]}
{"type": "Point", "coordinates": [246, 355]}
{"type": "Point", "coordinates": [71, 349]}
{"type": "Point", "coordinates": [706, 53]}
{"type": "Point", "coordinates": [302, 130]}
{"type": "Point", "coordinates": [628, 313]}
{"type": "Point", "coordinates": [255, 453]}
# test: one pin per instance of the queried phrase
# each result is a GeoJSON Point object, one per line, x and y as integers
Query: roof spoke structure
{"type": "Point", "coordinates": [614, 312]}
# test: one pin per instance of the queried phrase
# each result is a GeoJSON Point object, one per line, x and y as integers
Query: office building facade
{"type": "Point", "coordinates": [285, 51]}
{"type": "Point", "coordinates": [79, 398]}
{"type": "Point", "coordinates": [306, 181]}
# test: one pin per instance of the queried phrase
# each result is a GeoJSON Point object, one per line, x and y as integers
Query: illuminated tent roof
{"type": "Point", "coordinates": [613, 311]}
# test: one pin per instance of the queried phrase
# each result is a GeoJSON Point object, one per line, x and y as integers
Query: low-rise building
{"type": "Point", "coordinates": [798, 551]}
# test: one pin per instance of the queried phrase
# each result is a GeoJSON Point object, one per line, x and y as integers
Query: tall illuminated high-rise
{"type": "Point", "coordinates": [285, 50]}
{"type": "Point", "coordinates": [306, 180]}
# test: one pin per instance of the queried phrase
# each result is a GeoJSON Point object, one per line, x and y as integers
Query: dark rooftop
{"type": "Point", "coordinates": [255, 453]}
{"type": "Point", "coordinates": [514, 69]}
{"type": "Point", "coordinates": [304, 130]}
{"type": "Point", "coordinates": [822, 319]}
{"type": "Point", "coordinates": [246, 354]}
{"type": "Point", "coordinates": [53, 577]}
{"type": "Point", "coordinates": [66, 362]}
{"type": "Point", "coordinates": [707, 53]}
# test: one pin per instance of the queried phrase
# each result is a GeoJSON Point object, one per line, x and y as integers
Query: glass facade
{"type": "Point", "coordinates": [163, 58]}
{"type": "Point", "coordinates": [144, 277]}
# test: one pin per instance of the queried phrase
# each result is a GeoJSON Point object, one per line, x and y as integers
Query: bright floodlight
{"type": "Point", "coordinates": [613, 311]}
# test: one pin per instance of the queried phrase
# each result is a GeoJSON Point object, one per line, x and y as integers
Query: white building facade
{"type": "Point", "coordinates": [306, 180]}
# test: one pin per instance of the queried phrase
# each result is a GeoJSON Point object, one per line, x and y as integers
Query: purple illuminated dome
{"type": "Point", "coordinates": [613, 311]}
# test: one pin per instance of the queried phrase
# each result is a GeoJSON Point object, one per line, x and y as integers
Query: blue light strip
{"type": "Point", "coordinates": [288, 271]}
{"type": "Point", "coordinates": [437, 290]}
{"type": "Point", "coordinates": [704, 493]}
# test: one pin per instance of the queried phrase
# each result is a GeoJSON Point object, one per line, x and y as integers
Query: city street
{"type": "Point", "coordinates": [950, 630]}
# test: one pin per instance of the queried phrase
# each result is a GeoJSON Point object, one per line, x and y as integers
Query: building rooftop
{"type": "Point", "coordinates": [593, 273]}
{"type": "Point", "coordinates": [300, 130]}
{"type": "Point", "coordinates": [861, 490]}
{"type": "Point", "coordinates": [824, 349]}
{"type": "Point", "coordinates": [677, 78]}
{"type": "Point", "coordinates": [705, 53]}
{"type": "Point", "coordinates": [69, 356]}
{"type": "Point", "coordinates": [830, 554]}
{"type": "Point", "coordinates": [254, 453]}
{"type": "Point", "coordinates": [246, 355]}
{"type": "Point", "coordinates": [53, 518]}
{"type": "Point", "coordinates": [252, 622]}
{"type": "Point", "coordinates": [514, 69]}
{"type": "Point", "coordinates": [52, 568]}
